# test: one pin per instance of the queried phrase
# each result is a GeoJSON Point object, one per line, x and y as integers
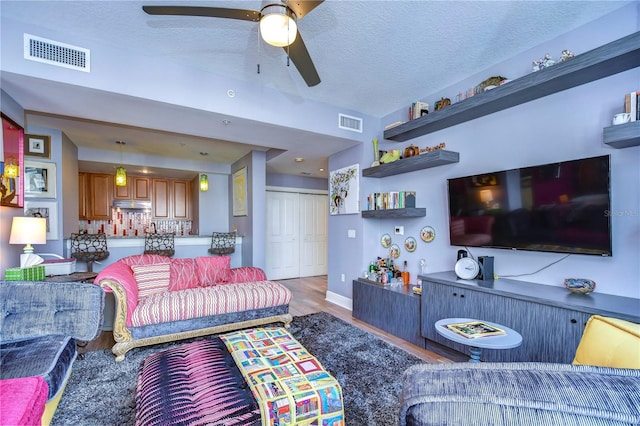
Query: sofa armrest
{"type": "Point", "coordinates": [34, 309]}
{"type": "Point", "coordinates": [246, 274]}
{"type": "Point", "coordinates": [609, 342]}
{"type": "Point", "coordinates": [519, 393]}
{"type": "Point", "coordinates": [119, 279]}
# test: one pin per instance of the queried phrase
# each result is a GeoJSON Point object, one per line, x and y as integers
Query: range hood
{"type": "Point", "coordinates": [131, 205]}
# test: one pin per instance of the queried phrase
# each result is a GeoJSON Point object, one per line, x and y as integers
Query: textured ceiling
{"type": "Point", "coordinates": [372, 56]}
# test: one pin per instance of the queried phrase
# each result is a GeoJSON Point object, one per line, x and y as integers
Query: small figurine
{"type": "Point", "coordinates": [566, 55]}
{"type": "Point", "coordinates": [443, 102]}
{"type": "Point", "coordinates": [543, 63]}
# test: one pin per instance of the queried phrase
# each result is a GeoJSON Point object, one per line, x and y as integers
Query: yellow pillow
{"type": "Point", "coordinates": [609, 342]}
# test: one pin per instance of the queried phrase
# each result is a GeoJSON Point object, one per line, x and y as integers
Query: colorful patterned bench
{"type": "Point", "coordinates": [259, 376]}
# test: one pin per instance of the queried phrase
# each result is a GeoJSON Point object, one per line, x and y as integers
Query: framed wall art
{"type": "Point", "coordinates": [39, 179]}
{"type": "Point", "coordinates": [37, 146]}
{"type": "Point", "coordinates": [11, 163]}
{"type": "Point", "coordinates": [47, 210]}
{"type": "Point", "coordinates": [240, 192]}
{"type": "Point", "coordinates": [343, 190]}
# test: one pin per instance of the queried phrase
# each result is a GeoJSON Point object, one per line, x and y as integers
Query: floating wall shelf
{"type": "Point", "coordinates": [411, 164]}
{"type": "Point", "coordinates": [622, 135]}
{"type": "Point", "coordinates": [612, 58]}
{"type": "Point", "coordinates": [391, 213]}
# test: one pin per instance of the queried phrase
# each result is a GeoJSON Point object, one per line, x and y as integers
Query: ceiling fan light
{"type": "Point", "coordinates": [278, 25]}
{"type": "Point", "coordinates": [121, 176]}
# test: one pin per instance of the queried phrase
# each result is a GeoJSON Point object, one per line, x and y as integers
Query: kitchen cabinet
{"type": "Point", "coordinates": [99, 196]}
{"type": "Point", "coordinates": [83, 195]}
{"type": "Point", "coordinates": [171, 199]}
{"type": "Point", "coordinates": [137, 189]}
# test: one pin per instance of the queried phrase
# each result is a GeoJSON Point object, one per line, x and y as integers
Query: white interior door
{"type": "Point", "coordinates": [283, 228]}
{"type": "Point", "coordinates": [297, 227]}
{"type": "Point", "coordinates": [313, 234]}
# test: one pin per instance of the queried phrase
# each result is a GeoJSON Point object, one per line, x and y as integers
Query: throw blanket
{"type": "Point", "coordinates": [289, 383]}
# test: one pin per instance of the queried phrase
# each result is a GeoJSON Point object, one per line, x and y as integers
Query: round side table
{"type": "Point", "coordinates": [512, 339]}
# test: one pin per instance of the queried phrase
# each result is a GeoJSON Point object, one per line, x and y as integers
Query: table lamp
{"type": "Point", "coordinates": [28, 230]}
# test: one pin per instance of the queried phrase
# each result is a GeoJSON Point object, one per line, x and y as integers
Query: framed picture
{"type": "Point", "coordinates": [240, 192]}
{"type": "Point", "coordinates": [343, 190]}
{"type": "Point", "coordinates": [11, 163]}
{"type": "Point", "coordinates": [39, 179]}
{"type": "Point", "coordinates": [37, 146]}
{"type": "Point", "coordinates": [47, 210]}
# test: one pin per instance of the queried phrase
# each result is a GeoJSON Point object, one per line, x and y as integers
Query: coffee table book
{"type": "Point", "coordinates": [475, 329]}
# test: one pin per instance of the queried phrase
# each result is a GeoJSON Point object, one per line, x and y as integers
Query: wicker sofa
{"type": "Point", "coordinates": [601, 387]}
{"type": "Point", "coordinates": [161, 299]}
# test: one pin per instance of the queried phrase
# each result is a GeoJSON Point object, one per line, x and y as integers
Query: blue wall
{"type": "Point", "coordinates": [562, 126]}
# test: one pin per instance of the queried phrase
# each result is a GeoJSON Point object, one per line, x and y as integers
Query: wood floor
{"type": "Point", "coordinates": [309, 297]}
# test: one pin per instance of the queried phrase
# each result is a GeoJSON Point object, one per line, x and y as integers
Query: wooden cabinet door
{"type": "Point", "coordinates": [83, 196]}
{"type": "Point", "coordinates": [122, 192]}
{"type": "Point", "coordinates": [160, 202]}
{"type": "Point", "coordinates": [141, 188]}
{"type": "Point", "coordinates": [180, 199]}
{"type": "Point", "coordinates": [100, 193]}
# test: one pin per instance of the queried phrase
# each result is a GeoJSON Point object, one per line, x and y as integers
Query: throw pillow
{"type": "Point", "coordinates": [152, 278]}
{"type": "Point", "coordinates": [184, 274]}
{"type": "Point", "coordinates": [214, 270]}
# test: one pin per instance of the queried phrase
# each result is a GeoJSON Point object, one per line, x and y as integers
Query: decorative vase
{"type": "Point", "coordinates": [376, 154]}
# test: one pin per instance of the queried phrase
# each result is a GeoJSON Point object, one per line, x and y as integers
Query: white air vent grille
{"type": "Point", "coordinates": [348, 122]}
{"type": "Point", "coordinates": [55, 53]}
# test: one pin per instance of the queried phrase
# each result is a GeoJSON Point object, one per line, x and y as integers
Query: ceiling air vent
{"type": "Point", "coordinates": [55, 53]}
{"type": "Point", "coordinates": [348, 122]}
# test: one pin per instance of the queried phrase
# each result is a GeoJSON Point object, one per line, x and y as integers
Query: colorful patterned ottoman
{"type": "Point", "coordinates": [259, 376]}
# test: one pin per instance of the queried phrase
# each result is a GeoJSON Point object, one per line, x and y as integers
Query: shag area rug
{"type": "Point", "coordinates": [102, 392]}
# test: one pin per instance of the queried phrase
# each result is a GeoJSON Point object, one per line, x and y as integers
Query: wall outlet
{"type": "Point", "coordinates": [399, 230]}
{"type": "Point", "coordinates": [351, 233]}
{"type": "Point", "coordinates": [342, 277]}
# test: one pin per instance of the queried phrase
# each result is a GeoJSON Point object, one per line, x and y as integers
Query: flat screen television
{"type": "Point", "coordinates": [558, 207]}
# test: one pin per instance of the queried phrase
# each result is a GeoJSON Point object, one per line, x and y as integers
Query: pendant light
{"type": "Point", "coordinates": [121, 172]}
{"type": "Point", "coordinates": [204, 183]}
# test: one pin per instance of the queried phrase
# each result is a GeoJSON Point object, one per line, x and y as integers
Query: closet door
{"type": "Point", "coordinates": [313, 234]}
{"type": "Point", "coordinates": [283, 235]}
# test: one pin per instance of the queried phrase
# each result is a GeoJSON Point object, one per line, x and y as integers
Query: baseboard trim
{"type": "Point", "coordinates": [339, 300]}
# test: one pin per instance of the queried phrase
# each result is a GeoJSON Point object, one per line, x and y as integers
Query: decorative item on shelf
{"type": "Point", "coordinates": [390, 156]}
{"type": "Point", "coordinates": [376, 153]}
{"type": "Point", "coordinates": [385, 240]}
{"type": "Point", "coordinates": [427, 234]}
{"type": "Point", "coordinates": [490, 83]}
{"type": "Point", "coordinates": [411, 151]}
{"type": "Point", "coordinates": [394, 251]}
{"type": "Point", "coordinates": [580, 285]}
{"type": "Point", "coordinates": [443, 102]}
{"type": "Point", "coordinates": [621, 118]}
{"type": "Point", "coordinates": [410, 244]}
{"type": "Point", "coordinates": [441, 145]}
{"type": "Point", "coordinates": [121, 172]}
{"type": "Point", "coordinates": [566, 55]}
{"type": "Point", "coordinates": [204, 182]}
{"type": "Point", "coordinates": [542, 63]}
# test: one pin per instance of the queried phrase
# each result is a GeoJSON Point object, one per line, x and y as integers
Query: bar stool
{"type": "Point", "coordinates": [89, 248]}
{"type": "Point", "coordinates": [223, 243]}
{"type": "Point", "coordinates": [162, 244]}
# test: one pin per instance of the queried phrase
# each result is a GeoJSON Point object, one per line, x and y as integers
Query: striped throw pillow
{"type": "Point", "coordinates": [151, 279]}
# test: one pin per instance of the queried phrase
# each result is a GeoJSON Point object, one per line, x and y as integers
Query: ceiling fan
{"type": "Point", "coordinates": [278, 27]}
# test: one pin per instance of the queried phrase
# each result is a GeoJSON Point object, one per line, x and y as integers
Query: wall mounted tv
{"type": "Point", "coordinates": [559, 207]}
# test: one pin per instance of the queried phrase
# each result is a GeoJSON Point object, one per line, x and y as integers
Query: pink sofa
{"type": "Point", "coordinates": [23, 401]}
{"type": "Point", "coordinates": [161, 299]}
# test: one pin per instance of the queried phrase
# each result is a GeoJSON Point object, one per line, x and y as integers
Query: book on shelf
{"type": "Point", "coordinates": [632, 105]}
{"type": "Point", "coordinates": [391, 200]}
{"type": "Point", "coordinates": [475, 329]}
{"type": "Point", "coordinates": [418, 109]}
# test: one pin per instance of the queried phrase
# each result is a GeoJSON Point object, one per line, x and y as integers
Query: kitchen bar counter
{"type": "Point", "coordinates": [185, 246]}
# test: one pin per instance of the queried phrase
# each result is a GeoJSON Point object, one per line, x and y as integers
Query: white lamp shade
{"type": "Point", "coordinates": [28, 230]}
{"type": "Point", "coordinates": [278, 26]}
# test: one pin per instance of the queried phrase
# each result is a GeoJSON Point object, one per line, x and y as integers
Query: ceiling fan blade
{"type": "Point", "coordinates": [302, 60]}
{"type": "Point", "coordinates": [302, 7]}
{"type": "Point", "coordinates": [212, 12]}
